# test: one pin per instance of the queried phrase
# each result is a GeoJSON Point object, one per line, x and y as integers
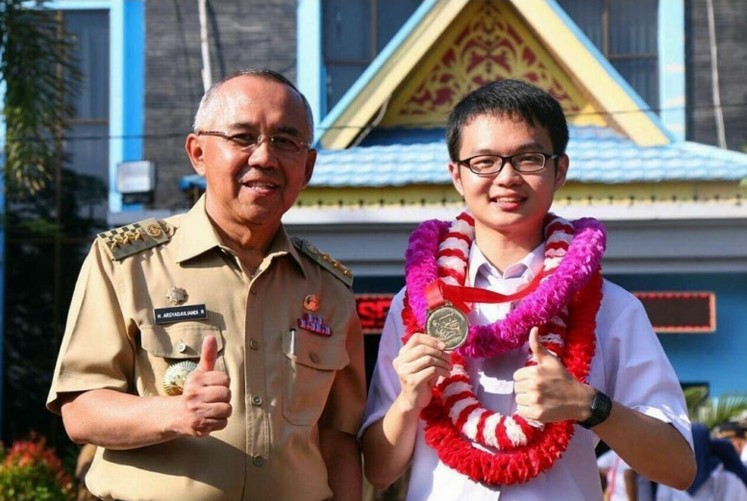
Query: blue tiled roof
{"type": "Point", "coordinates": [598, 155]}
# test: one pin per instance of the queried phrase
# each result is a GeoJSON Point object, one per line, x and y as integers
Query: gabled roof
{"type": "Point", "coordinates": [449, 47]}
{"type": "Point", "coordinates": [395, 113]}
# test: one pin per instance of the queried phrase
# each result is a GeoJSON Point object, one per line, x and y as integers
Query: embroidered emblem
{"type": "Point", "coordinates": [311, 303]}
{"type": "Point", "coordinates": [175, 377]}
{"type": "Point", "coordinates": [315, 324]}
{"type": "Point", "coordinates": [133, 238]}
{"type": "Point", "coordinates": [325, 261]}
{"type": "Point", "coordinates": [154, 230]}
{"type": "Point", "coordinates": [176, 295]}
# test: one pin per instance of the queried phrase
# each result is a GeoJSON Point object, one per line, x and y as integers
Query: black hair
{"type": "Point", "coordinates": [515, 98]}
{"type": "Point", "coordinates": [732, 429]}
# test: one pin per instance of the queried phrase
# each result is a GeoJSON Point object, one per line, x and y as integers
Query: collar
{"type": "Point", "coordinates": [531, 264]}
{"type": "Point", "coordinates": [195, 234]}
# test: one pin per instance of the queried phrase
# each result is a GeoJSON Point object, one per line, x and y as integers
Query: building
{"type": "Point", "coordinates": [645, 91]}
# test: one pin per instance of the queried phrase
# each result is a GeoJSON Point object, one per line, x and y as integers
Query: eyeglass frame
{"type": "Point", "coordinates": [546, 156]}
{"type": "Point", "coordinates": [233, 138]}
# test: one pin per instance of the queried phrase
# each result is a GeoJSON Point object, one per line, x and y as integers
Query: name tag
{"type": "Point", "coordinates": [179, 313]}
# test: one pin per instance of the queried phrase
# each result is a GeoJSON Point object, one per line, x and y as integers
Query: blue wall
{"type": "Point", "coordinates": [720, 358]}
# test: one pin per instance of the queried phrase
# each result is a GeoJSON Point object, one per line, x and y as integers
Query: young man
{"type": "Point", "coordinates": [210, 356]}
{"type": "Point", "coordinates": [553, 358]}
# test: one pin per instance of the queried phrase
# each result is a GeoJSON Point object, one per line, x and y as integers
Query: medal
{"type": "Point", "coordinates": [447, 324]}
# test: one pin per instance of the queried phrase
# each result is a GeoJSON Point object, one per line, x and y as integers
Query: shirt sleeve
{"type": "Point", "coordinates": [632, 365]}
{"type": "Point", "coordinates": [385, 385]}
{"type": "Point", "coordinates": [95, 352]}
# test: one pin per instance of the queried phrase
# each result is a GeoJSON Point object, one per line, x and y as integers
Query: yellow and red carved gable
{"type": "Point", "coordinates": [488, 41]}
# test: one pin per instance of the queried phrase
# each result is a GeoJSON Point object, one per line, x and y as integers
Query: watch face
{"type": "Point", "coordinates": [603, 405]}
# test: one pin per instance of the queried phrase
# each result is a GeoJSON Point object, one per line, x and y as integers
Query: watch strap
{"type": "Point", "coordinates": [601, 405]}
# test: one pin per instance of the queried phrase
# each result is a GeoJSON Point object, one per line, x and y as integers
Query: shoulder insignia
{"type": "Point", "coordinates": [325, 260]}
{"type": "Point", "coordinates": [133, 238]}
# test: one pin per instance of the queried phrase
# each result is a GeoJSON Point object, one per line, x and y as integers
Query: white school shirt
{"type": "Point", "coordinates": [629, 365]}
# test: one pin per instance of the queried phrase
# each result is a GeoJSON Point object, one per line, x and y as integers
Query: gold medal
{"type": "Point", "coordinates": [448, 324]}
{"type": "Point", "coordinates": [176, 375]}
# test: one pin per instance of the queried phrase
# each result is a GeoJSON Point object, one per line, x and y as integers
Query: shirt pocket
{"type": "Point", "coordinates": [312, 362]}
{"type": "Point", "coordinates": [164, 346]}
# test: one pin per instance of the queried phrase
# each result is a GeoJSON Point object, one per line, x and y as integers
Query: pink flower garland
{"type": "Point", "coordinates": [583, 258]}
{"type": "Point", "coordinates": [529, 450]}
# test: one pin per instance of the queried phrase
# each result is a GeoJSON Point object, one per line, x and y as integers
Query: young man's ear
{"type": "Point", "coordinates": [456, 177]}
{"type": "Point", "coordinates": [196, 153]}
{"type": "Point", "coordinates": [561, 170]}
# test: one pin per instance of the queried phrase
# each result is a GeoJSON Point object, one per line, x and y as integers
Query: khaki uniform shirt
{"type": "Point", "coordinates": [288, 338]}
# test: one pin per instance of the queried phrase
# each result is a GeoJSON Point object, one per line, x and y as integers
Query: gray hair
{"type": "Point", "coordinates": [207, 99]}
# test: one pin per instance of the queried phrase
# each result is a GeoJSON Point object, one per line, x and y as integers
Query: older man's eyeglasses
{"type": "Point", "coordinates": [249, 142]}
{"type": "Point", "coordinates": [490, 165]}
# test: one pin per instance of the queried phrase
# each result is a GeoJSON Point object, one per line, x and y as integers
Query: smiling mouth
{"type": "Point", "coordinates": [260, 185]}
{"type": "Point", "coordinates": [507, 200]}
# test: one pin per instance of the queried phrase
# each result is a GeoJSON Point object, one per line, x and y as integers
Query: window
{"type": "Point", "coordinates": [625, 32]}
{"type": "Point", "coordinates": [88, 145]}
{"type": "Point", "coordinates": [355, 31]}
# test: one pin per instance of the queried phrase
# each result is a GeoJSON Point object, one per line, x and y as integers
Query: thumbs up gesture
{"type": "Point", "coordinates": [206, 399]}
{"type": "Point", "coordinates": [209, 354]}
{"type": "Point", "coordinates": [547, 392]}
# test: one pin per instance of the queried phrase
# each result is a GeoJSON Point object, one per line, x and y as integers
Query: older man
{"type": "Point", "coordinates": [210, 356]}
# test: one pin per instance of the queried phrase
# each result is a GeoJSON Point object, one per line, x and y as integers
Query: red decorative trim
{"type": "Point", "coordinates": [679, 311]}
{"type": "Point", "coordinates": [487, 48]}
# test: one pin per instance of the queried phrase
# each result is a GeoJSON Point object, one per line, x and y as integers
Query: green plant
{"type": "Point", "coordinates": [30, 471]}
{"type": "Point", "coordinates": [712, 411]}
{"type": "Point", "coordinates": [40, 76]}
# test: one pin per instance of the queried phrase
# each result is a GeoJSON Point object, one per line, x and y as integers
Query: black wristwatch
{"type": "Point", "coordinates": [601, 405]}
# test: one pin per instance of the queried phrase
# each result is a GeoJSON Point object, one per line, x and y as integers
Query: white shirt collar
{"type": "Point", "coordinates": [531, 265]}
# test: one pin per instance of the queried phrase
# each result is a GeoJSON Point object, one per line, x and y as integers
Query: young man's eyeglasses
{"type": "Point", "coordinates": [489, 165]}
{"type": "Point", "coordinates": [248, 141]}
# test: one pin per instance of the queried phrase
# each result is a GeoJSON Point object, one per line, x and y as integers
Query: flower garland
{"type": "Point", "coordinates": [425, 260]}
{"type": "Point", "coordinates": [564, 306]}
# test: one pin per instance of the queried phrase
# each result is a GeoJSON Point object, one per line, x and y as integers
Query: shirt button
{"type": "Point", "coordinates": [254, 344]}
{"type": "Point", "coordinates": [256, 400]}
{"type": "Point", "coordinates": [181, 347]}
{"type": "Point", "coordinates": [314, 357]}
{"type": "Point", "coordinates": [258, 460]}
